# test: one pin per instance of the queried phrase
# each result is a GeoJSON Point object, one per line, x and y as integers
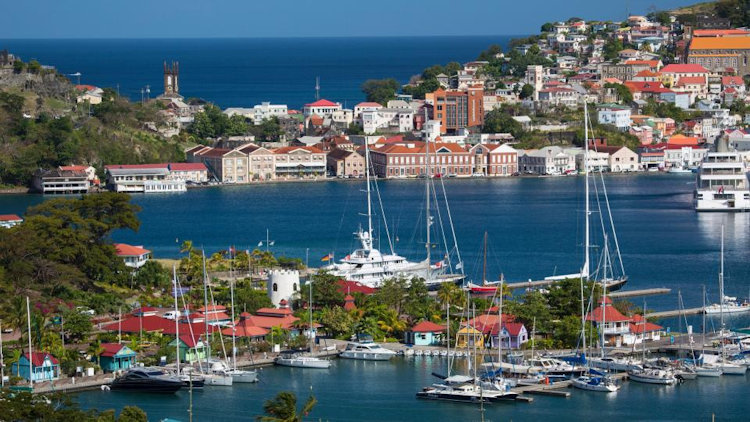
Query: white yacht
{"type": "Point", "coordinates": [614, 364]}
{"type": "Point", "coordinates": [721, 184]}
{"type": "Point", "coordinates": [301, 361]}
{"type": "Point", "coordinates": [728, 305]}
{"type": "Point", "coordinates": [366, 351]}
{"type": "Point", "coordinates": [653, 376]}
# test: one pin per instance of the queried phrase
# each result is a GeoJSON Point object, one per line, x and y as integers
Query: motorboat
{"type": "Point", "coordinates": [653, 376]}
{"type": "Point", "coordinates": [302, 361]}
{"type": "Point", "coordinates": [598, 383]}
{"type": "Point", "coordinates": [728, 305]}
{"type": "Point", "coordinates": [147, 380]}
{"type": "Point", "coordinates": [728, 368]}
{"type": "Point", "coordinates": [554, 366]}
{"type": "Point", "coordinates": [460, 388]}
{"type": "Point", "coordinates": [722, 184]}
{"type": "Point", "coordinates": [615, 364]}
{"type": "Point", "coordinates": [366, 351]}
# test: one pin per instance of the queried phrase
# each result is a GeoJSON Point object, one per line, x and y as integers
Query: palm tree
{"type": "Point", "coordinates": [97, 349]}
{"type": "Point", "coordinates": [283, 408]}
{"type": "Point", "coordinates": [449, 293]}
{"type": "Point", "coordinates": [390, 323]}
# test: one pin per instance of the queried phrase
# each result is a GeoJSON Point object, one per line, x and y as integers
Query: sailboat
{"type": "Point", "coordinates": [213, 375]}
{"type": "Point", "coordinates": [301, 360]}
{"type": "Point", "coordinates": [647, 375]}
{"type": "Point", "coordinates": [727, 367]}
{"type": "Point", "coordinates": [487, 287]}
{"type": "Point", "coordinates": [238, 375]}
{"type": "Point", "coordinates": [595, 380]}
{"type": "Point", "coordinates": [727, 304]}
{"type": "Point", "coordinates": [706, 369]}
{"type": "Point", "coordinates": [188, 379]}
{"type": "Point", "coordinates": [611, 282]}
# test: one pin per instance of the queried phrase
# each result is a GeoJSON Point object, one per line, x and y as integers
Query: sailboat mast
{"type": "Point", "coordinates": [721, 282]}
{"type": "Point", "coordinates": [587, 211]}
{"type": "Point", "coordinates": [309, 309]}
{"type": "Point", "coordinates": [31, 355]}
{"type": "Point", "coordinates": [369, 200]}
{"type": "Point", "coordinates": [234, 326]}
{"type": "Point", "coordinates": [484, 267]}
{"type": "Point", "coordinates": [205, 307]}
{"type": "Point", "coordinates": [604, 293]}
{"type": "Point", "coordinates": [176, 320]}
{"type": "Point", "coordinates": [447, 333]}
{"type": "Point", "coordinates": [500, 323]}
{"type": "Point", "coordinates": [427, 201]}
{"type": "Point", "coordinates": [583, 317]}
{"type": "Point", "coordinates": [703, 337]}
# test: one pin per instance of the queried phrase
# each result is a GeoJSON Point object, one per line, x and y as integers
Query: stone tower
{"type": "Point", "coordinates": [171, 79]}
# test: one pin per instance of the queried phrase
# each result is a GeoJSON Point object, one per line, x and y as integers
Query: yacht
{"type": "Point", "coordinates": [653, 376]}
{"type": "Point", "coordinates": [366, 351]}
{"type": "Point", "coordinates": [598, 383]}
{"type": "Point", "coordinates": [147, 380]}
{"type": "Point", "coordinates": [461, 388]}
{"type": "Point", "coordinates": [615, 364]}
{"type": "Point", "coordinates": [301, 361]}
{"type": "Point", "coordinates": [553, 367]}
{"type": "Point", "coordinates": [220, 368]}
{"type": "Point", "coordinates": [728, 305]}
{"type": "Point", "coordinates": [721, 184]}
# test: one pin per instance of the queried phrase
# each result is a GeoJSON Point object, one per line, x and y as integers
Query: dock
{"type": "Point", "coordinates": [641, 292]}
{"type": "Point", "coordinates": [553, 389]}
{"type": "Point", "coordinates": [675, 313]}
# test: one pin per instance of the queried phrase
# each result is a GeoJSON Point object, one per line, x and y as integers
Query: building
{"type": "Point", "coordinates": [266, 110]}
{"type": "Point", "coordinates": [366, 106]}
{"type": "Point", "coordinates": [683, 156]}
{"type": "Point", "coordinates": [299, 162]}
{"type": "Point", "coordinates": [597, 160]}
{"type": "Point", "coordinates": [558, 96]}
{"type": "Point", "coordinates": [407, 160]}
{"type": "Point", "coordinates": [610, 322]}
{"type": "Point", "coordinates": [721, 53]}
{"type": "Point", "coordinates": [9, 220]}
{"type": "Point", "coordinates": [535, 77]}
{"type": "Point", "coordinates": [58, 181]}
{"type": "Point", "coordinates": [89, 170]}
{"type": "Point", "coordinates": [43, 367]}
{"type": "Point", "coordinates": [191, 349]}
{"type": "Point", "coordinates": [171, 80]}
{"type": "Point", "coordinates": [468, 337]}
{"type": "Point", "coordinates": [547, 161]}
{"type": "Point", "coordinates": [342, 163]}
{"type": "Point", "coordinates": [621, 159]}
{"type": "Point", "coordinates": [145, 178]}
{"type": "Point", "coordinates": [188, 172]}
{"type": "Point", "coordinates": [398, 120]}
{"type": "Point", "coordinates": [225, 165]}
{"type": "Point", "coordinates": [322, 108]}
{"type": "Point", "coordinates": [116, 357]}
{"type": "Point", "coordinates": [215, 314]}
{"type": "Point", "coordinates": [426, 333]}
{"type": "Point", "coordinates": [494, 160]}
{"type": "Point", "coordinates": [458, 109]}
{"type": "Point", "coordinates": [89, 93]}
{"type": "Point", "coordinates": [261, 162]}
{"type": "Point", "coordinates": [615, 115]}
{"type": "Point", "coordinates": [134, 256]}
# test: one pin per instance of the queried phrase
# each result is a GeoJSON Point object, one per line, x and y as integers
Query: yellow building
{"type": "Point", "coordinates": [467, 336]}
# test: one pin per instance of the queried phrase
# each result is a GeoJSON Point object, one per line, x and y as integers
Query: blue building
{"type": "Point", "coordinates": [116, 356]}
{"type": "Point", "coordinates": [44, 367]}
{"type": "Point", "coordinates": [426, 333]}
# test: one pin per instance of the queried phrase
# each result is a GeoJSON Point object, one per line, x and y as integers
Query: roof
{"type": "Point", "coordinates": [610, 313]}
{"type": "Point", "coordinates": [244, 329]}
{"type": "Point", "coordinates": [639, 325]}
{"type": "Point", "coordinates": [189, 340]}
{"type": "Point", "coordinates": [349, 287]}
{"type": "Point", "coordinates": [212, 308]}
{"type": "Point", "coordinates": [287, 150]}
{"type": "Point", "coordinates": [732, 80]}
{"type": "Point", "coordinates": [134, 324]}
{"type": "Point", "coordinates": [37, 358]}
{"type": "Point", "coordinates": [682, 140]}
{"type": "Point", "coordinates": [339, 154]}
{"type": "Point", "coordinates": [274, 312]}
{"type": "Point", "coordinates": [654, 87]}
{"type": "Point", "coordinates": [187, 167]}
{"type": "Point", "coordinates": [368, 104]}
{"type": "Point", "coordinates": [718, 32]}
{"type": "Point", "coordinates": [323, 103]}
{"type": "Point", "coordinates": [270, 321]}
{"type": "Point", "coordinates": [136, 166]}
{"type": "Point", "coordinates": [649, 63]}
{"type": "Point", "coordinates": [74, 168]}
{"type": "Point", "coordinates": [129, 250]}
{"type": "Point", "coordinates": [648, 73]}
{"type": "Point", "coordinates": [111, 349]}
{"type": "Point", "coordinates": [684, 68]}
{"type": "Point", "coordinates": [685, 80]}
{"type": "Point", "coordinates": [428, 327]}
{"type": "Point", "coordinates": [10, 217]}
{"type": "Point", "coordinates": [720, 43]}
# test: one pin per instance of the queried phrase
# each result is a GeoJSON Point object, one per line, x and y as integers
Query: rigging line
{"type": "Point", "coordinates": [601, 220]}
{"type": "Point", "coordinates": [190, 325]}
{"type": "Point", "coordinates": [450, 221]}
{"type": "Point", "coordinates": [382, 214]}
{"type": "Point", "coordinates": [221, 337]}
{"type": "Point", "coordinates": [442, 226]}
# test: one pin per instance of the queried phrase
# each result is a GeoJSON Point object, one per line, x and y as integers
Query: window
{"type": "Point", "coordinates": [275, 287]}
{"type": "Point", "coordinates": [294, 287]}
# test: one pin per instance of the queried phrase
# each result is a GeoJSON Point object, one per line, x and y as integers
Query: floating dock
{"type": "Point", "coordinates": [641, 292]}
{"type": "Point", "coordinates": [675, 313]}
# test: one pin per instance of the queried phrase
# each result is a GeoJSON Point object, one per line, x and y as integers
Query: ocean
{"type": "Point", "coordinates": [242, 72]}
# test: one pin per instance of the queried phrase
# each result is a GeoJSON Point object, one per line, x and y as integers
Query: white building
{"type": "Point", "coordinates": [188, 172]}
{"type": "Point", "coordinates": [366, 106]}
{"type": "Point", "coordinates": [431, 130]}
{"type": "Point", "coordinates": [618, 116]}
{"type": "Point", "coordinates": [147, 178]}
{"type": "Point", "coordinates": [283, 285]}
{"type": "Point", "coordinates": [322, 108]}
{"type": "Point", "coordinates": [9, 220]}
{"type": "Point", "coordinates": [622, 159]}
{"type": "Point", "coordinates": [559, 96]}
{"type": "Point", "coordinates": [535, 77]}
{"type": "Point", "coordinates": [547, 161]}
{"type": "Point", "coordinates": [597, 161]}
{"type": "Point", "coordinates": [134, 256]}
{"type": "Point", "coordinates": [684, 156]}
{"type": "Point", "coordinates": [266, 110]}
{"type": "Point", "coordinates": [387, 120]}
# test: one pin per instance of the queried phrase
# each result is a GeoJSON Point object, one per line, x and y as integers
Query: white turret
{"type": "Point", "coordinates": [282, 285]}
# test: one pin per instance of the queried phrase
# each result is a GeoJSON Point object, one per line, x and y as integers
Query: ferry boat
{"type": "Point", "coordinates": [721, 184]}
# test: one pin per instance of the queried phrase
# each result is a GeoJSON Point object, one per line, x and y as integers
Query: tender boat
{"type": "Point", "coordinates": [366, 351]}
{"type": "Point", "coordinates": [147, 380]}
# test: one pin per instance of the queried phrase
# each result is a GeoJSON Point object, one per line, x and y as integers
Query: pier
{"type": "Point", "coordinates": [675, 313]}
{"type": "Point", "coordinates": [641, 292]}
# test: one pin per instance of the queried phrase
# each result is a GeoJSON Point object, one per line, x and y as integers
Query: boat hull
{"type": "Point", "coordinates": [156, 387]}
{"type": "Point", "coordinates": [733, 369]}
{"type": "Point", "coordinates": [646, 379]}
{"type": "Point", "coordinates": [219, 380]}
{"type": "Point", "coordinates": [366, 355]}
{"type": "Point", "coordinates": [244, 377]}
{"type": "Point", "coordinates": [304, 363]}
{"type": "Point", "coordinates": [583, 383]}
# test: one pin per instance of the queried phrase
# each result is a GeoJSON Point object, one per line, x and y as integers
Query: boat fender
{"type": "Point", "coordinates": [546, 380]}
{"type": "Point", "coordinates": [105, 388]}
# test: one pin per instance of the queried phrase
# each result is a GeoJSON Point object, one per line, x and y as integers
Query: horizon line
{"type": "Point", "coordinates": [255, 37]}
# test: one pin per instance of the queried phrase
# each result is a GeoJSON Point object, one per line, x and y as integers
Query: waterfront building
{"type": "Point", "coordinates": [457, 109]}
{"type": "Point", "coordinates": [641, 331]}
{"type": "Point", "coordinates": [494, 159]}
{"type": "Point", "coordinates": [146, 178]}
{"type": "Point", "coordinates": [615, 115]}
{"type": "Point", "coordinates": [511, 334]}
{"type": "Point", "coordinates": [188, 172]}
{"type": "Point", "coordinates": [89, 170]}
{"type": "Point", "coordinates": [425, 333]}
{"type": "Point", "coordinates": [547, 161]}
{"type": "Point", "coordinates": [322, 108]}
{"type": "Point", "coordinates": [683, 156]}
{"type": "Point", "coordinates": [116, 357]}
{"type": "Point", "coordinates": [134, 256]}
{"type": "Point", "coordinates": [621, 159]}
{"type": "Point", "coordinates": [721, 53]}
{"type": "Point", "coordinates": [9, 220]}
{"type": "Point", "coordinates": [261, 162]}
{"type": "Point", "coordinates": [44, 367]}
{"type": "Point", "coordinates": [343, 163]}
{"type": "Point", "coordinates": [407, 159]}
{"type": "Point", "coordinates": [609, 321]}
{"type": "Point", "coordinates": [268, 318]}
{"type": "Point", "coordinates": [58, 181]}
{"type": "Point", "coordinates": [225, 165]}
{"type": "Point", "coordinates": [651, 158]}
{"type": "Point", "coordinates": [191, 348]}
{"type": "Point", "coordinates": [244, 328]}
{"type": "Point", "coordinates": [597, 160]}
{"type": "Point", "coordinates": [299, 162]}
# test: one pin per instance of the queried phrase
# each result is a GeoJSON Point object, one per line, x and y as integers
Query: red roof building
{"type": "Point", "coordinates": [9, 220]}
{"type": "Point", "coordinates": [349, 287]}
{"type": "Point", "coordinates": [681, 68]}
{"type": "Point", "coordinates": [428, 327]}
{"type": "Point", "coordinates": [134, 256]}
{"type": "Point", "coordinates": [349, 303]}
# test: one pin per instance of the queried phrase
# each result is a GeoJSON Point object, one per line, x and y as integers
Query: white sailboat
{"type": "Point", "coordinates": [612, 282]}
{"type": "Point", "coordinates": [727, 367]}
{"type": "Point", "coordinates": [302, 360]}
{"type": "Point", "coordinates": [238, 375]}
{"type": "Point", "coordinates": [645, 375]}
{"type": "Point", "coordinates": [213, 376]}
{"type": "Point", "coordinates": [727, 304]}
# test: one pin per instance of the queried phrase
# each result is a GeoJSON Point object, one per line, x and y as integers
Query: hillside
{"type": "Point", "coordinates": [737, 11]}
{"type": "Point", "coordinates": [42, 126]}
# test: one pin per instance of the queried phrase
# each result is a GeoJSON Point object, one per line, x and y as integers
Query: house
{"type": "Point", "coordinates": [191, 349]}
{"type": "Point", "coordinates": [558, 96]}
{"type": "Point", "coordinates": [89, 170]}
{"type": "Point", "coordinates": [145, 178]}
{"type": "Point", "coordinates": [244, 328]}
{"type": "Point", "coordinates": [468, 336]}
{"type": "Point", "coordinates": [189, 172]}
{"type": "Point", "coordinates": [265, 110]}
{"type": "Point", "coordinates": [366, 106]}
{"type": "Point", "coordinates": [261, 162]}
{"type": "Point", "coordinates": [392, 120]}
{"type": "Point", "coordinates": [494, 159]}
{"type": "Point", "coordinates": [673, 73]}
{"type": "Point", "coordinates": [215, 314]}
{"type": "Point", "coordinates": [610, 322]}
{"type": "Point", "coordinates": [299, 162]}
{"type": "Point", "coordinates": [9, 220]}
{"type": "Point", "coordinates": [225, 165]}
{"type": "Point", "coordinates": [426, 333]}
{"type": "Point", "coordinates": [641, 330]}
{"type": "Point", "coordinates": [134, 256]}
{"type": "Point", "coordinates": [547, 161]}
{"type": "Point", "coordinates": [621, 159]}
{"type": "Point", "coordinates": [645, 134]}
{"type": "Point", "coordinates": [322, 108]}
{"type": "Point", "coordinates": [58, 181]}
{"type": "Point", "coordinates": [615, 115]}
{"type": "Point", "coordinates": [514, 335]}
{"type": "Point", "coordinates": [43, 367]}
{"type": "Point", "coordinates": [89, 93]}
{"type": "Point", "coordinates": [343, 163]}
{"type": "Point", "coordinates": [116, 357]}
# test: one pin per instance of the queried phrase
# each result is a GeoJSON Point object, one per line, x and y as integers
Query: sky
{"type": "Point", "coordinates": [301, 18]}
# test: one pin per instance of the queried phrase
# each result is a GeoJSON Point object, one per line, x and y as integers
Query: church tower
{"type": "Point", "coordinates": [171, 79]}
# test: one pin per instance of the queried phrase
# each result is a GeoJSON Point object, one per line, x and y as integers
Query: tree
{"type": "Point", "coordinates": [380, 91]}
{"type": "Point", "coordinates": [337, 321]}
{"type": "Point", "coordinates": [612, 48]}
{"type": "Point", "coordinates": [153, 274]}
{"type": "Point", "coordinates": [326, 290]}
{"type": "Point", "coordinates": [283, 408]}
{"type": "Point", "coordinates": [391, 294]}
{"type": "Point", "coordinates": [498, 121]}
{"type": "Point", "coordinates": [271, 129]}
{"type": "Point", "coordinates": [77, 325]}
{"type": "Point", "coordinates": [132, 414]}
{"type": "Point", "coordinates": [490, 53]}
{"type": "Point", "coordinates": [623, 92]}
{"type": "Point", "coordinates": [449, 293]}
{"type": "Point", "coordinates": [548, 27]}
{"type": "Point", "coordinates": [526, 91]}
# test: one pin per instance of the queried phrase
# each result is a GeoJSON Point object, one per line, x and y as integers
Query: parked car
{"type": "Point", "coordinates": [85, 310]}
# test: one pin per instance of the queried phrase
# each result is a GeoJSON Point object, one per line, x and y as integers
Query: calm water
{"type": "Point", "coordinates": [245, 72]}
{"type": "Point", "coordinates": [384, 391]}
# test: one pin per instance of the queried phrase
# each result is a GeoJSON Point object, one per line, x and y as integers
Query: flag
{"type": "Point", "coordinates": [459, 265]}
{"type": "Point", "coordinates": [327, 257]}
{"type": "Point", "coordinates": [439, 264]}
{"type": "Point", "coordinates": [271, 243]}
{"type": "Point", "coordinates": [260, 243]}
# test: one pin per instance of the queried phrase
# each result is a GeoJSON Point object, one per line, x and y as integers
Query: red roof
{"type": "Point", "coordinates": [691, 80]}
{"type": "Point", "coordinates": [610, 313]}
{"type": "Point", "coordinates": [355, 287]}
{"type": "Point", "coordinates": [189, 340]}
{"type": "Point", "coordinates": [638, 326]}
{"type": "Point", "coordinates": [73, 168]}
{"type": "Point", "coordinates": [428, 327]}
{"type": "Point", "coordinates": [10, 217]}
{"type": "Point", "coordinates": [287, 150]}
{"type": "Point", "coordinates": [732, 80]}
{"type": "Point", "coordinates": [111, 349]}
{"type": "Point", "coordinates": [649, 63]}
{"type": "Point", "coordinates": [718, 32]}
{"type": "Point", "coordinates": [129, 250]}
{"type": "Point", "coordinates": [282, 312]}
{"type": "Point", "coordinates": [212, 308]}
{"type": "Point", "coordinates": [244, 329]}
{"type": "Point", "coordinates": [513, 328]}
{"type": "Point", "coordinates": [187, 167]}
{"type": "Point", "coordinates": [270, 322]}
{"type": "Point", "coordinates": [136, 166]}
{"type": "Point", "coordinates": [85, 87]}
{"type": "Point", "coordinates": [322, 103]}
{"type": "Point", "coordinates": [682, 140]}
{"type": "Point", "coordinates": [37, 358]}
{"type": "Point", "coordinates": [684, 68]}
{"type": "Point", "coordinates": [653, 87]}
{"type": "Point", "coordinates": [134, 324]}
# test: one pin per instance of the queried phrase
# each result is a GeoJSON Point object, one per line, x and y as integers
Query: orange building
{"type": "Point", "coordinates": [458, 109]}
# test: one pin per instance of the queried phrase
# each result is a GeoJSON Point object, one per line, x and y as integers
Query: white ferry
{"type": "Point", "coordinates": [722, 184]}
